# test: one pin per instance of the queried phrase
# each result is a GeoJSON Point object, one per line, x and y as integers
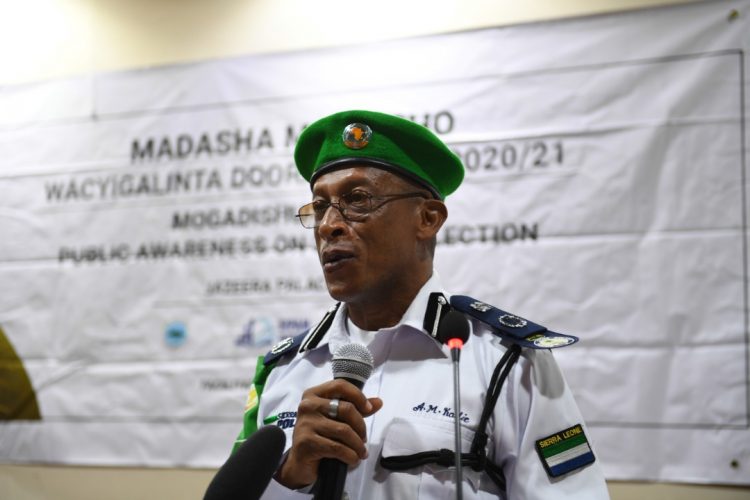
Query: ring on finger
{"type": "Point", "coordinates": [333, 408]}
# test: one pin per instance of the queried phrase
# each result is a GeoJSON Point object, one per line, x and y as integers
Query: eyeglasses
{"type": "Point", "coordinates": [354, 206]}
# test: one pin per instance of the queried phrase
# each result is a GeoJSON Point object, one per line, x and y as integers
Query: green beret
{"type": "Point", "coordinates": [380, 140]}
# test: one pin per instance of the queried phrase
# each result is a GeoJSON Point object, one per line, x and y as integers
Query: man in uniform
{"type": "Point", "coordinates": [378, 183]}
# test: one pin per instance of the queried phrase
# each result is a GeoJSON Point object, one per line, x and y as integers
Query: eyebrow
{"type": "Point", "coordinates": [350, 185]}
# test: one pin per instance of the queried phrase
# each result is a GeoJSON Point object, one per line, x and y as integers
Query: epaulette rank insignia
{"type": "Point", "coordinates": [282, 347]}
{"type": "Point", "coordinates": [511, 327]}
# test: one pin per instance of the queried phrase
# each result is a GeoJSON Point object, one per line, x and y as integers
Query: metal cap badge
{"type": "Point", "coordinates": [356, 135]}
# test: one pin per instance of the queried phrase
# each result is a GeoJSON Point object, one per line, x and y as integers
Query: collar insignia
{"type": "Point", "coordinates": [437, 307]}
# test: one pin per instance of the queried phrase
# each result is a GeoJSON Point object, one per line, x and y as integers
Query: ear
{"type": "Point", "coordinates": [433, 214]}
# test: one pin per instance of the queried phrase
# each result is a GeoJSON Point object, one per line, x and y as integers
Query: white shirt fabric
{"type": "Point", "coordinates": [413, 376]}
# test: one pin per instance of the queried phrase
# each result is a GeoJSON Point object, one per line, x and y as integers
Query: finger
{"type": "Point", "coordinates": [346, 391]}
{"type": "Point", "coordinates": [349, 415]}
{"type": "Point", "coordinates": [349, 428]}
{"type": "Point", "coordinates": [306, 454]}
{"type": "Point", "coordinates": [332, 447]}
{"type": "Point", "coordinates": [376, 404]}
{"type": "Point", "coordinates": [342, 433]}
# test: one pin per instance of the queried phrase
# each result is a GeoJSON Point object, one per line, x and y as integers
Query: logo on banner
{"type": "Point", "coordinates": [175, 334]}
{"type": "Point", "coordinates": [265, 331]}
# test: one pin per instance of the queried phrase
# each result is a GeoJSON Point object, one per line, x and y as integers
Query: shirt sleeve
{"type": "Point", "coordinates": [543, 446]}
{"type": "Point", "coordinates": [277, 491]}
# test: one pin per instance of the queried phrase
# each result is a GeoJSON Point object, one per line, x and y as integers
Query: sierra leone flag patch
{"type": "Point", "coordinates": [565, 451]}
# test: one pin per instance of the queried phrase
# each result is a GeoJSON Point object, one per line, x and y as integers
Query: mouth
{"type": "Point", "coordinates": [334, 259]}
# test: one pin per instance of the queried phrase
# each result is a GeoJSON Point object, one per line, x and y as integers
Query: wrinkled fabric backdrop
{"type": "Point", "coordinates": [149, 249]}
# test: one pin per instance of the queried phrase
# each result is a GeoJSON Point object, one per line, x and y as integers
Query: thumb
{"type": "Point", "coordinates": [375, 405]}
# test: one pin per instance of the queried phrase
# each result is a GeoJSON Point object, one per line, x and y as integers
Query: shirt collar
{"type": "Point", "coordinates": [413, 318]}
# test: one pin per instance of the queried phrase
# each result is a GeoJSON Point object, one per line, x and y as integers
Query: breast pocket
{"type": "Point", "coordinates": [408, 436]}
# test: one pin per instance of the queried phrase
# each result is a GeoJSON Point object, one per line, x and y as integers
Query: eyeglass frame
{"type": "Point", "coordinates": [387, 198]}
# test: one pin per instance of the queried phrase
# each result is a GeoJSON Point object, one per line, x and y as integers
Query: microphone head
{"type": "Point", "coordinates": [453, 325]}
{"type": "Point", "coordinates": [352, 361]}
{"type": "Point", "coordinates": [247, 472]}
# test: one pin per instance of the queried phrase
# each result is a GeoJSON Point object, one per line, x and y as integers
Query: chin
{"type": "Point", "coordinates": [342, 292]}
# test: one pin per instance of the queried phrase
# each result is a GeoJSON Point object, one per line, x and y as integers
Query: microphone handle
{"type": "Point", "coordinates": [457, 425]}
{"type": "Point", "coordinates": [331, 479]}
{"type": "Point", "coordinates": [332, 472]}
{"type": "Point", "coordinates": [356, 383]}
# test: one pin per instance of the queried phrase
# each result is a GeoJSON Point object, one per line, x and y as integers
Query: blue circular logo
{"type": "Point", "coordinates": [175, 334]}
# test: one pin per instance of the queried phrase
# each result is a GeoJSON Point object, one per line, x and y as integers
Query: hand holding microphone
{"type": "Point", "coordinates": [353, 363]}
{"type": "Point", "coordinates": [317, 435]}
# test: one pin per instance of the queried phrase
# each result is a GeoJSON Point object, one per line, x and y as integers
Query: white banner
{"type": "Point", "coordinates": [150, 251]}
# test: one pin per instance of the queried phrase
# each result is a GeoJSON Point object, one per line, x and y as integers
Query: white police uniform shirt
{"type": "Point", "coordinates": [413, 377]}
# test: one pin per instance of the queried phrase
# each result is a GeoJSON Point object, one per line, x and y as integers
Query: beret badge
{"type": "Point", "coordinates": [356, 135]}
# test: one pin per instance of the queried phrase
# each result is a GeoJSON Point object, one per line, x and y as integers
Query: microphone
{"type": "Point", "coordinates": [353, 363]}
{"type": "Point", "coordinates": [453, 330]}
{"type": "Point", "coordinates": [246, 473]}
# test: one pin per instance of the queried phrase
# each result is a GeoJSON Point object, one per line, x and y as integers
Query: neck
{"type": "Point", "coordinates": [374, 314]}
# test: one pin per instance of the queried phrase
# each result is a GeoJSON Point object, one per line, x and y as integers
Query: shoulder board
{"type": "Point", "coordinates": [511, 327]}
{"type": "Point", "coordinates": [304, 341]}
{"type": "Point", "coordinates": [289, 344]}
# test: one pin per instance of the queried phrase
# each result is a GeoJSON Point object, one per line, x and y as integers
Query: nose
{"type": "Point", "coordinates": [332, 224]}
